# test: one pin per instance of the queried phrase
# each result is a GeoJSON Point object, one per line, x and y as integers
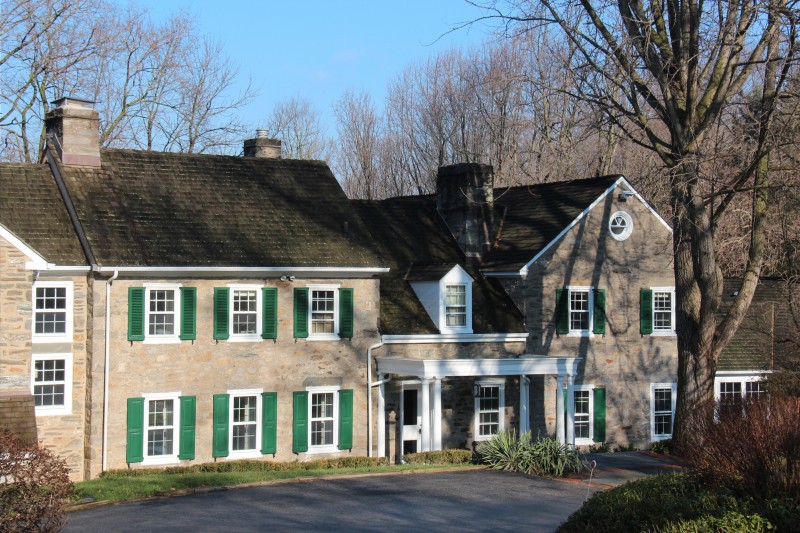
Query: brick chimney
{"type": "Point", "coordinates": [262, 146]}
{"type": "Point", "coordinates": [464, 198]}
{"type": "Point", "coordinates": [73, 126]}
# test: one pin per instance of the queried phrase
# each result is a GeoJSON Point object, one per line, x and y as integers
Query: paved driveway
{"type": "Point", "coordinates": [479, 500]}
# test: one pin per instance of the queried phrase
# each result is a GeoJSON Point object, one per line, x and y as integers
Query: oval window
{"type": "Point", "coordinates": [620, 225]}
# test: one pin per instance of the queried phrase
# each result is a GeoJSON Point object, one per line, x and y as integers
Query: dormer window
{"type": "Point", "coordinates": [446, 296]}
{"type": "Point", "coordinates": [456, 305]}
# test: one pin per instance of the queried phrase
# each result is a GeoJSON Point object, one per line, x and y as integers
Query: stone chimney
{"type": "Point", "coordinates": [73, 126]}
{"type": "Point", "coordinates": [464, 199]}
{"type": "Point", "coordinates": [262, 146]}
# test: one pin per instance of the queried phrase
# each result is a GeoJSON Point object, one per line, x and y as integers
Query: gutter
{"type": "Point", "coordinates": [106, 373]}
{"type": "Point", "coordinates": [276, 271]}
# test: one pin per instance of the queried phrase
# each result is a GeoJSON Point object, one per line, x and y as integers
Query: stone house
{"type": "Point", "coordinates": [161, 308]}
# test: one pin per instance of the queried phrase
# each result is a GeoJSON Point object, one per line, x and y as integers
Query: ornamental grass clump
{"type": "Point", "coordinates": [541, 456]}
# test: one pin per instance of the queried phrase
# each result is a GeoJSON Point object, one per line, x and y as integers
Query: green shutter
{"type": "Point", "coordinates": [188, 415]}
{"type": "Point", "coordinates": [269, 313]}
{"type": "Point", "coordinates": [135, 313]}
{"type": "Point", "coordinates": [300, 424]}
{"type": "Point", "coordinates": [599, 414]}
{"type": "Point", "coordinates": [301, 313]}
{"type": "Point", "coordinates": [346, 419]}
{"type": "Point", "coordinates": [566, 411]}
{"type": "Point", "coordinates": [599, 316]}
{"type": "Point", "coordinates": [220, 444]}
{"type": "Point", "coordinates": [346, 313]}
{"type": "Point", "coordinates": [645, 311]}
{"type": "Point", "coordinates": [188, 318]}
{"type": "Point", "coordinates": [134, 452]}
{"type": "Point", "coordinates": [562, 311]}
{"type": "Point", "coordinates": [221, 330]}
{"type": "Point", "coordinates": [269, 424]}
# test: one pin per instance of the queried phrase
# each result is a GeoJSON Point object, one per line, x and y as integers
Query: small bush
{"type": "Point", "coordinates": [541, 457]}
{"type": "Point", "coordinates": [662, 446]}
{"type": "Point", "coordinates": [34, 486]}
{"type": "Point", "coordinates": [732, 521]}
{"type": "Point", "coordinates": [438, 457]}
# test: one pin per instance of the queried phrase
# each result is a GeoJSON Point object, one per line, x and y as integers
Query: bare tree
{"type": "Point", "coordinates": [297, 124]}
{"type": "Point", "coordinates": [665, 73]}
{"type": "Point", "coordinates": [357, 161]}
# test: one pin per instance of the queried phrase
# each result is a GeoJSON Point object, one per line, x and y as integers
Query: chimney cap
{"type": "Point", "coordinates": [66, 101]}
{"type": "Point", "coordinates": [262, 134]}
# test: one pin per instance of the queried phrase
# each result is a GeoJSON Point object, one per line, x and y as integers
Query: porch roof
{"type": "Point", "coordinates": [440, 368]}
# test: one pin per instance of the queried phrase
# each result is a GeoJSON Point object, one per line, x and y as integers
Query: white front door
{"type": "Point", "coordinates": [412, 418]}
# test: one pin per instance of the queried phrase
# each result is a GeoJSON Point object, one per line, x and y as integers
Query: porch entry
{"type": "Point", "coordinates": [412, 418]}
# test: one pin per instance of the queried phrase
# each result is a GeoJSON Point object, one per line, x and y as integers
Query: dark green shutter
{"type": "Point", "coordinates": [562, 311]}
{"type": "Point", "coordinates": [346, 313]}
{"type": "Point", "coordinates": [301, 313]}
{"type": "Point", "coordinates": [599, 316]}
{"type": "Point", "coordinates": [346, 419]}
{"type": "Point", "coordinates": [269, 425]}
{"type": "Point", "coordinates": [188, 410]}
{"type": "Point", "coordinates": [220, 444]}
{"type": "Point", "coordinates": [599, 414]}
{"type": "Point", "coordinates": [300, 424]}
{"type": "Point", "coordinates": [134, 452]}
{"type": "Point", "coordinates": [269, 315]}
{"type": "Point", "coordinates": [135, 313]}
{"type": "Point", "coordinates": [188, 320]}
{"type": "Point", "coordinates": [221, 330]}
{"type": "Point", "coordinates": [645, 311]}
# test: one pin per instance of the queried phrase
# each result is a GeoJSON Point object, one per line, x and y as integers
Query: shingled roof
{"type": "Point", "coordinates": [168, 209]}
{"type": "Point", "coordinates": [529, 217]}
{"type": "Point", "coordinates": [411, 238]}
{"type": "Point", "coordinates": [32, 209]}
{"type": "Point", "coordinates": [768, 331]}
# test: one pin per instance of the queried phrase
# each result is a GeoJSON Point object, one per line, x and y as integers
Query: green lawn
{"type": "Point", "coordinates": [120, 488]}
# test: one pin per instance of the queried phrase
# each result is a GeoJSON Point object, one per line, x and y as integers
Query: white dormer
{"type": "Point", "coordinates": [447, 300]}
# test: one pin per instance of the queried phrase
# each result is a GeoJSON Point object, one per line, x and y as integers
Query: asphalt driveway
{"type": "Point", "coordinates": [477, 500]}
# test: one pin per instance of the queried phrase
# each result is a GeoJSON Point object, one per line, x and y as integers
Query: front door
{"type": "Point", "coordinates": [412, 419]}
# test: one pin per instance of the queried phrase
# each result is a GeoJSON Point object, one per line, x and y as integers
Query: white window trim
{"type": "Point", "coordinates": [176, 425]}
{"type": "Point", "coordinates": [663, 332]}
{"type": "Point", "coordinates": [456, 276]}
{"type": "Point", "coordinates": [476, 419]}
{"type": "Point", "coordinates": [245, 454]}
{"type": "Point", "coordinates": [742, 379]}
{"type": "Point", "coordinates": [65, 409]}
{"type": "Point", "coordinates": [324, 336]}
{"type": "Point", "coordinates": [590, 440]}
{"type": "Point", "coordinates": [327, 448]}
{"type": "Point", "coordinates": [628, 229]}
{"type": "Point", "coordinates": [175, 338]}
{"type": "Point", "coordinates": [259, 322]}
{"type": "Point", "coordinates": [53, 337]}
{"type": "Point", "coordinates": [674, 396]}
{"type": "Point", "coordinates": [580, 332]}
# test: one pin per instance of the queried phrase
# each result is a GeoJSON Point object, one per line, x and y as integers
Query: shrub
{"type": "Point", "coordinates": [34, 486]}
{"type": "Point", "coordinates": [448, 457]}
{"type": "Point", "coordinates": [754, 443]}
{"type": "Point", "coordinates": [541, 457]}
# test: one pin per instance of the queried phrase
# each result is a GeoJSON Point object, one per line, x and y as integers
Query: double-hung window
{"type": "Point", "coordinates": [245, 423]}
{"type": "Point", "coordinates": [52, 311]}
{"type": "Point", "coordinates": [589, 414]}
{"type": "Point", "coordinates": [732, 390]}
{"type": "Point", "coordinates": [51, 384]}
{"type": "Point", "coordinates": [583, 415]}
{"type": "Point", "coordinates": [322, 419]}
{"type": "Point", "coordinates": [161, 428]}
{"type": "Point", "coordinates": [662, 410]}
{"type": "Point", "coordinates": [657, 311]}
{"type": "Point", "coordinates": [489, 406]}
{"type": "Point", "coordinates": [323, 312]}
{"type": "Point", "coordinates": [245, 312]}
{"type": "Point", "coordinates": [580, 311]}
{"type": "Point", "coordinates": [456, 305]}
{"type": "Point", "coordinates": [162, 313]}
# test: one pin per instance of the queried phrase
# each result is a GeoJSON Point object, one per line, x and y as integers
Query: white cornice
{"type": "Point", "coordinates": [440, 368]}
{"type": "Point", "coordinates": [306, 272]}
{"type": "Point", "coordinates": [451, 338]}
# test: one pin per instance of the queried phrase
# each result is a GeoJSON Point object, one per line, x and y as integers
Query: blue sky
{"type": "Point", "coordinates": [318, 49]}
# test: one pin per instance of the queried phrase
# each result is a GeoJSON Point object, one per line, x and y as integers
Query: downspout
{"type": "Point", "coordinates": [369, 396]}
{"type": "Point", "coordinates": [105, 366]}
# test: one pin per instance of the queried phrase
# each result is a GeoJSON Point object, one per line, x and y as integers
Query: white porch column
{"type": "Point", "coordinates": [381, 420]}
{"type": "Point", "coordinates": [437, 414]}
{"type": "Point", "coordinates": [426, 415]}
{"type": "Point", "coordinates": [560, 409]}
{"type": "Point", "coordinates": [524, 404]}
{"type": "Point", "coordinates": [571, 410]}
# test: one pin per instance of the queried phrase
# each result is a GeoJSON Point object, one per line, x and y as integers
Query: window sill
{"type": "Point", "coordinates": [160, 460]}
{"type": "Point", "coordinates": [245, 338]}
{"type": "Point", "coordinates": [657, 438]}
{"type": "Point", "coordinates": [244, 454]}
{"type": "Point", "coordinates": [669, 333]}
{"type": "Point", "coordinates": [584, 442]}
{"type": "Point", "coordinates": [162, 340]}
{"type": "Point", "coordinates": [52, 411]}
{"type": "Point", "coordinates": [322, 449]}
{"type": "Point", "coordinates": [324, 337]}
{"type": "Point", "coordinates": [43, 339]}
{"type": "Point", "coordinates": [580, 334]}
